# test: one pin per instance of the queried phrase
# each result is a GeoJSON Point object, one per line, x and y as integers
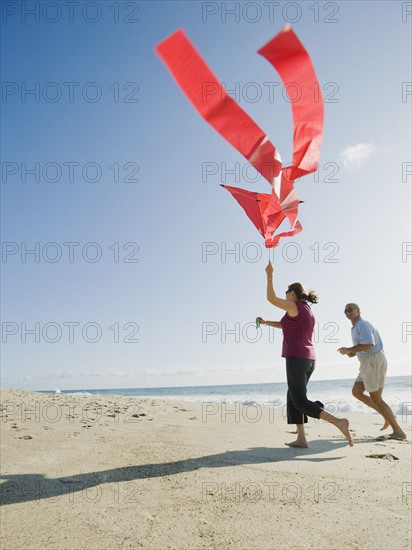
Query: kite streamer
{"type": "Point", "coordinates": [206, 93]}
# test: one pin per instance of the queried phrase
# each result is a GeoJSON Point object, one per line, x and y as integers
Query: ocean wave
{"type": "Point", "coordinates": [78, 393]}
{"type": "Point", "coordinates": [338, 405]}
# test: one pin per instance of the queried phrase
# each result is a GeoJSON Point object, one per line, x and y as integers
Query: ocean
{"type": "Point", "coordinates": [336, 395]}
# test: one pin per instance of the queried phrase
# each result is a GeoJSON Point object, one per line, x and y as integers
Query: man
{"type": "Point", "coordinates": [368, 347]}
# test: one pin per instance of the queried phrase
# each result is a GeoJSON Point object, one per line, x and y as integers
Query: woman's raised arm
{"type": "Point", "coordinates": [287, 305]}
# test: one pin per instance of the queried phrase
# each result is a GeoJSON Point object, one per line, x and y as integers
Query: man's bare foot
{"type": "Point", "coordinates": [397, 435]}
{"type": "Point", "coordinates": [343, 425]}
{"type": "Point", "coordinates": [297, 443]}
{"type": "Point", "coordinates": [385, 425]}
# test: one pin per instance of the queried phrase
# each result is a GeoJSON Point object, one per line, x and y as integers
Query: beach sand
{"type": "Point", "coordinates": [81, 471]}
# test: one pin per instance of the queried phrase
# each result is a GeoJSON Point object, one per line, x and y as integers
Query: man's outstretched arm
{"type": "Point", "coordinates": [354, 349]}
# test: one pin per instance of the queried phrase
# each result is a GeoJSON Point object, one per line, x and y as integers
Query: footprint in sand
{"type": "Point", "coordinates": [386, 456]}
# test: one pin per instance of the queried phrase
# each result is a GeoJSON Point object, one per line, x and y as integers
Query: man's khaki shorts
{"type": "Point", "coordinates": [372, 371]}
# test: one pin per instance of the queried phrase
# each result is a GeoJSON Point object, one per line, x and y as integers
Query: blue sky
{"type": "Point", "coordinates": [148, 294]}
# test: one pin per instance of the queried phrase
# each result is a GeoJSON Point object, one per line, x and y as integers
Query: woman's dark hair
{"type": "Point", "coordinates": [302, 295]}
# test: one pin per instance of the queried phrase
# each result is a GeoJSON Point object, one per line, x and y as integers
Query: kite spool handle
{"type": "Point", "coordinates": [257, 325]}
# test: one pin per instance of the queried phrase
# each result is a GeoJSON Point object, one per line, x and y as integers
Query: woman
{"type": "Point", "coordinates": [297, 326]}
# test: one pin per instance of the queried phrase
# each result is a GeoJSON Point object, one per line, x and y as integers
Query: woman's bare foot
{"type": "Point", "coordinates": [298, 443]}
{"type": "Point", "coordinates": [343, 425]}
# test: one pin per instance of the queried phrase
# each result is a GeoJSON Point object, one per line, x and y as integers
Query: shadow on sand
{"type": "Point", "coordinates": [30, 487]}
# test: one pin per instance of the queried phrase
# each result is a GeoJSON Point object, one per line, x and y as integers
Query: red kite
{"type": "Point", "coordinates": [286, 53]}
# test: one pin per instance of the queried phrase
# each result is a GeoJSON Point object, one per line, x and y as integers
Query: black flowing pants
{"type": "Point", "coordinates": [298, 373]}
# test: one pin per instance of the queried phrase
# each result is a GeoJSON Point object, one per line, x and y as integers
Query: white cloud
{"type": "Point", "coordinates": [174, 372]}
{"type": "Point", "coordinates": [229, 369]}
{"type": "Point", "coordinates": [354, 156]}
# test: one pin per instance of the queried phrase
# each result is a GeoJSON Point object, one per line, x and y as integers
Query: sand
{"type": "Point", "coordinates": [84, 472]}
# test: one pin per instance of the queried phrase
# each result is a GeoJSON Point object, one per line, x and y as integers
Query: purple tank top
{"type": "Point", "coordinates": [297, 333]}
